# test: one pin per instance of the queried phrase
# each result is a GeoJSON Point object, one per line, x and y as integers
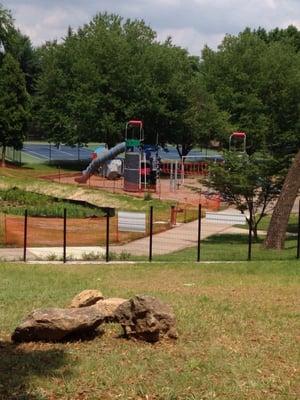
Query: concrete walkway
{"type": "Point", "coordinates": [178, 238]}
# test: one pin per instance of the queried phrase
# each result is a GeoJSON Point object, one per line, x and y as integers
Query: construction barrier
{"type": "Point", "coordinates": [187, 169]}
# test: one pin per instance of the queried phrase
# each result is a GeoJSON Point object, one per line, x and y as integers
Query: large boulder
{"type": "Point", "coordinates": [86, 298]}
{"type": "Point", "coordinates": [56, 324]}
{"type": "Point", "coordinates": [107, 307]}
{"type": "Point", "coordinates": [146, 318]}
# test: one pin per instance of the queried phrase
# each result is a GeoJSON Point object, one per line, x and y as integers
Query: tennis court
{"type": "Point", "coordinates": [41, 152]}
{"type": "Point", "coordinates": [44, 152]}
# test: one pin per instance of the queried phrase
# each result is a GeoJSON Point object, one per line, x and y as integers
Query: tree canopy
{"type": "Point", "coordinates": [110, 71]}
{"type": "Point", "coordinates": [14, 103]}
{"type": "Point", "coordinates": [14, 99]}
{"type": "Point", "coordinates": [257, 82]}
{"type": "Point", "coordinates": [250, 183]}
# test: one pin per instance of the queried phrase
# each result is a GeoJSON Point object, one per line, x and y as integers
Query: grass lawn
{"type": "Point", "coordinates": [29, 179]}
{"type": "Point", "coordinates": [238, 333]}
{"type": "Point", "coordinates": [232, 247]}
{"type": "Point", "coordinates": [15, 201]}
{"type": "Point", "coordinates": [265, 221]}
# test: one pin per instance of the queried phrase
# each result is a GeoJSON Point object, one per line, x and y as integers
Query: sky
{"type": "Point", "coordinates": [191, 23]}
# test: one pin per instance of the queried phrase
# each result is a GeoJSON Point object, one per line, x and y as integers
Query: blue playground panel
{"type": "Point", "coordinates": [45, 152]}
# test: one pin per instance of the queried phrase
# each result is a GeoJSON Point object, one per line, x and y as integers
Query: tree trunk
{"type": "Point", "coordinates": [254, 233]}
{"type": "Point", "coordinates": [280, 217]}
{"type": "Point", "coordinates": [184, 150]}
{"type": "Point", "coordinates": [3, 156]}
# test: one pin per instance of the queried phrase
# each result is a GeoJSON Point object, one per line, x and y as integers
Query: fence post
{"type": "Point", "coordinates": [250, 240]}
{"type": "Point", "coordinates": [173, 215]}
{"type": "Point", "coordinates": [65, 237]}
{"type": "Point", "coordinates": [25, 235]}
{"type": "Point", "coordinates": [298, 239]}
{"type": "Point", "coordinates": [199, 232]}
{"type": "Point", "coordinates": [107, 236]}
{"type": "Point", "coordinates": [151, 233]}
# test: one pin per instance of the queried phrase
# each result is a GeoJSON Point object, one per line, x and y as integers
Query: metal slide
{"type": "Point", "coordinates": [104, 156]}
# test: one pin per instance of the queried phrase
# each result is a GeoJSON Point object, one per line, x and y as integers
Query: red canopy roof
{"type": "Point", "coordinates": [239, 134]}
{"type": "Point", "coordinates": [135, 123]}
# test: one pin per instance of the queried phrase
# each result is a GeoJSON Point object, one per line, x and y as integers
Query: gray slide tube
{"type": "Point", "coordinates": [104, 156]}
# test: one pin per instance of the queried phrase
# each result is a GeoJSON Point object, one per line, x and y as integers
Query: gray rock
{"type": "Point", "coordinates": [56, 324]}
{"type": "Point", "coordinates": [146, 318]}
{"type": "Point", "coordinates": [86, 298]}
{"type": "Point", "coordinates": [107, 307]}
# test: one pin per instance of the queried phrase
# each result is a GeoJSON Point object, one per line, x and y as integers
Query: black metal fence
{"type": "Point", "coordinates": [143, 236]}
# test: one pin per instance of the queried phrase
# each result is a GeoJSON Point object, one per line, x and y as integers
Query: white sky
{"type": "Point", "coordinates": [190, 23]}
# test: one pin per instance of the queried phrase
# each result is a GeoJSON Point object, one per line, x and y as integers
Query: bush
{"type": "Point", "coordinates": [124, 255]}
{"type": "Point", "coordinates": [92, 256]}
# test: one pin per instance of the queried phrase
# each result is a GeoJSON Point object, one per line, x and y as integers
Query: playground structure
{"type": "Point", "coordinates": [140, 168]}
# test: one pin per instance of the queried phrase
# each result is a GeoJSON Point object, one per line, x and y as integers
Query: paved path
{"type": "Point", "coordinates": [175, 239]}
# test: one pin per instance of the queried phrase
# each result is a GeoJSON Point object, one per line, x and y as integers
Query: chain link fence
{"type": "Point", "coordinates": [12, 155]}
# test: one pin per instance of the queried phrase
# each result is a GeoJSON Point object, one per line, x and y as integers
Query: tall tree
{"type": "Point", "coordinates": [257, 83]}
{"type": "Point", "coordinates": [6, 27]}
{"type": "Point", "coordinates": [14, 101]}
{"type": "Point", "coordinates": [14, 42]}
{"type": "Point", "coordinates": [280, 217]}
{"type": "Point", "coordinates": [256, 78]}
{"type": "Point", "coordinates": [110, 71]}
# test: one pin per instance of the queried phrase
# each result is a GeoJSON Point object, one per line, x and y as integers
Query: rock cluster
{"type": "Point", "coordinates": [142, 317]}
{"type": "Point", "coordinates": [146, 318]}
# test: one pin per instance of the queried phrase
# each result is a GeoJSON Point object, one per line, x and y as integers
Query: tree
{"type": "Point", "coordinates": [175, 104]}
{"type": "Point", "coordinates": [110, 71]}
{"type": "Point", "coordinates": [14, 42]}
{"type": "Point", "coordinates": [280, 217]}
{"type": "Point", "coordinates": [250, 183]}
{"type": "Point", "coordinates": [255, 77]}
{"type": "Point", "coordinates": [92, 74]}
{"type": "Point", "coordinates": [14, 102]}
{"type": "Point", "coordinates": [6, 27]}
{"type": "Point", "coordinates": [258, 84]}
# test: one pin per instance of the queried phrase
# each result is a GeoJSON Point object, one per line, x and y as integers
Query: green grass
{"type": "Point", "coordinates": [265, 221]}
{"type": "Point", "coordinates": [29, 179]}
{"type": "Point", "coordinates": [292, 226]}
{"type": "Point", "coordinates": [15, 201]}
{"type": "Point", "coordinates": [237, 324]}
{"type": "Point", "coordinates": [232, 247]}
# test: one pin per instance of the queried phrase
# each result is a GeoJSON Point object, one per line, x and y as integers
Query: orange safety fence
{"type": "Point", "coordinates": [49, 231]}
{"type": "Point", "coordinates": [46, 231]}
{"type": "Point", "coordinates": [211, 203]}
{"type": "Point", "coordinates": [189, 168]}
